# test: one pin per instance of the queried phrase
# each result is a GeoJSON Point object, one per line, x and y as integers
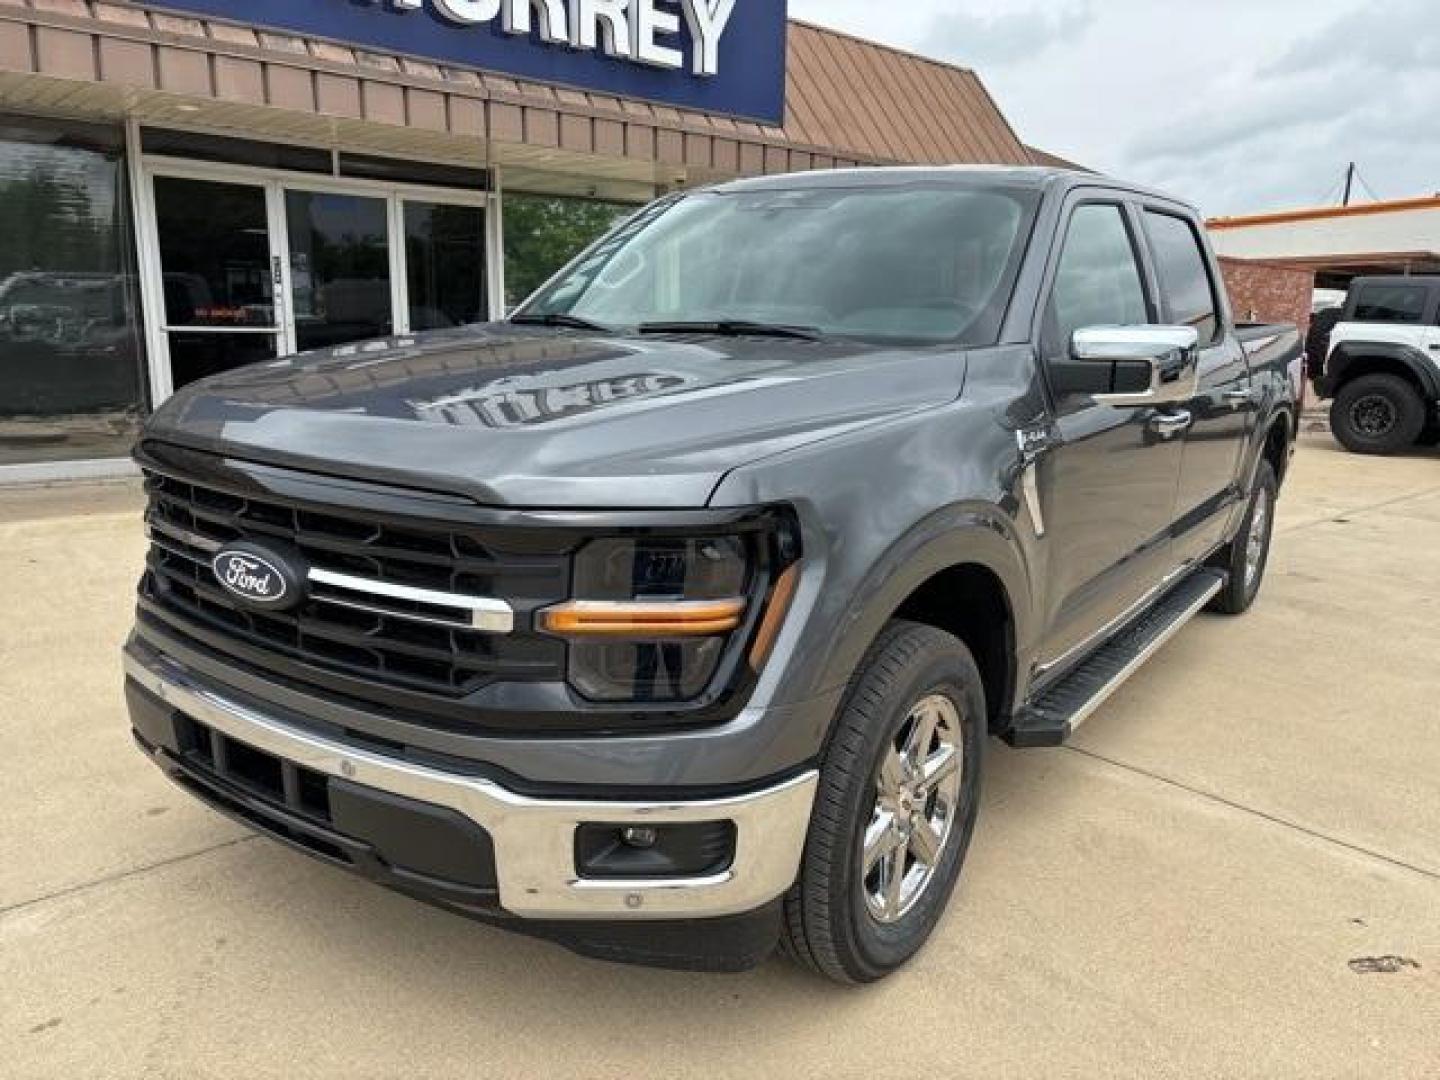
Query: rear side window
{"type": "Point", "coordinates": [1390, 303]}
{"type": "Point", "coordinates": [1098, 282]}
{"type": "Point", "coordinates": [1180, 263]}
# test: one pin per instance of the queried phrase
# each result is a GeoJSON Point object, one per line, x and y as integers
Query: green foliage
{"type": "Point", "coordinates": [543, 233]}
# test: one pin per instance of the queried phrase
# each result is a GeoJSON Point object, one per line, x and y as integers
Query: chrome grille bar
{"type": "Point", "coordinates": [485, 614]}
{"type": "Point", "coordinates": [185, 536]}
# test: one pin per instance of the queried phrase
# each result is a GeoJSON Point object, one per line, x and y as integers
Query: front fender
{"type": "Point", "coordinates": [881, 512]}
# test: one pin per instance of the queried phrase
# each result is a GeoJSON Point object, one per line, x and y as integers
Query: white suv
{"type": "Point", "coordinates": [1383, 365]}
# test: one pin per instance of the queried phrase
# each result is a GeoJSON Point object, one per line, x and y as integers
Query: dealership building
{"type": "Point", "coordinates": [192, 185]}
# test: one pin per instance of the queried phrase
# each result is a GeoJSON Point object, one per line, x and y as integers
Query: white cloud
{"type": "Point", "coordinates": [1003, 38]}
{"type": "Point", "coordinates": [1237, 105]}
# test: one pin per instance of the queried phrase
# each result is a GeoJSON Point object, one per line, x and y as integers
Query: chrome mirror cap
{"type": "Point", "coordinates": [1172, 353]}
{"type": "Point", "coordinates": [1134, 342]}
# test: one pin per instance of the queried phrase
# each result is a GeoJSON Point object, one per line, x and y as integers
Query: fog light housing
{"type": "Point", "coordinates": [699, 850]}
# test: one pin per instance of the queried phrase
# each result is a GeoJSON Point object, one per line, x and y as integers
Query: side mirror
{"type": "Point", "coordinates": [1147, 365]}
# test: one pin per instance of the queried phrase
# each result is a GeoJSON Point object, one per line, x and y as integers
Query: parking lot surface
{"type": "Point", "coordinates": [1233, 871]}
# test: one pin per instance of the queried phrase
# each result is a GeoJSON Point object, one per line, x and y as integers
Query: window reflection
{"type": "Point", "coordinates": [215, 253]}
{"type": "Point", "coordinates": [198, 355]}
{"type": "Point", "coordinates": [339, 268]}
{"type": "Point", "coordinates": [70, 352]}
{"type": "Point", "coordinates": [445, 264]}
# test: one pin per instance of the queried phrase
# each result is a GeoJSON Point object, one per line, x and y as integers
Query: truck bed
{"type": "Point", "coordinates": [1278, 345]}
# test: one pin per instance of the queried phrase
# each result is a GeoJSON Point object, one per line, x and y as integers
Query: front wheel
{"type": "Point", "coordinates": [1377, 414]}
{"type": "Point", "coordinates": [898, 799]}
{"type": "Point", "coordinates": [1248, 555]}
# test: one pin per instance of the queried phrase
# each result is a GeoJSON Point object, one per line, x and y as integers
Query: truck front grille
{"type": "Point", "coordinates": [367, 630]}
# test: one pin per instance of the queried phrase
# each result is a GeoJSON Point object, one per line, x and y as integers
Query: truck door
{"type": "Point", "coordinates": [1108, 482]}
{"type": "Point", "coordinates": [1222, 410]}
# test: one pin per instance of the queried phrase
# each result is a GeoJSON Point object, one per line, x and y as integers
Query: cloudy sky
{"type": "Point", "coordinates": [1238, 105]}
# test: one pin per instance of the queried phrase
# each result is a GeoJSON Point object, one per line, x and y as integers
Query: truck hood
{"type": "Point", "coordinates": [535, 417]}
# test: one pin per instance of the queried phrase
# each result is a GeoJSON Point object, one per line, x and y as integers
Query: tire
{"type": "Point", "coordinates": [1377, 414]}
{"type": "Point", "coordinates": [1317, 340]}
{"type": "Point", "coordinates": [839, 918]}
{"type": "Point", "coordinates": [1244, 576]}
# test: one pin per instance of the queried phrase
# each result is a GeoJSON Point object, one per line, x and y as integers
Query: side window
{"type": "Point", "coordinates": [1391, 303]}
{"type": "Point", "coordinates": [1180, 264]}
{"type": "Point", "coordinates": [1098, 281]}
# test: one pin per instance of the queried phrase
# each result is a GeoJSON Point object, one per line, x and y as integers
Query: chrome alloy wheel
{"type": "Point", "coordinates": [1255, 540]}
{"type": "Point", "coordinates": [917, 795]}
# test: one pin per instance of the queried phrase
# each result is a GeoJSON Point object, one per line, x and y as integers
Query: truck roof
{"type": "Point", "coordinates": [1038, 177]}
{"type": "Point", "coordinates": [1420, 280]}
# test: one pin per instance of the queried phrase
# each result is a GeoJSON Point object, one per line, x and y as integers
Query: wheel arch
{"type": "Point", "coordinates": [1275, 447]}
{"type": "Point", "coordinates": [962, 571]}
{"type": "Point", "coordinates": [1352, 360]}
{"type": "Point", "coordinates": [969, 601]}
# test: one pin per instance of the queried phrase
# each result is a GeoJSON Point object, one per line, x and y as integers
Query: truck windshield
{"type": "Point", "coordinates": [899, 264]}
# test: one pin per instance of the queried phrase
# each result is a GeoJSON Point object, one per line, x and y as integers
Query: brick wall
{"type": "Point", "coordinates": [1269, 292]}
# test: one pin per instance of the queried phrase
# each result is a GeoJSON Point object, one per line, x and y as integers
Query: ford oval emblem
{"type": "Point", "coordinates": [260, 578]}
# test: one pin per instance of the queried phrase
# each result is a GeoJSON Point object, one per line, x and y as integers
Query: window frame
{"type": "Point", "coordinates": [1125, 205]}
{"type": "Point", "coordinates": [1429, 315]}
{"type": "Point", "coordinates": [1163, 300]}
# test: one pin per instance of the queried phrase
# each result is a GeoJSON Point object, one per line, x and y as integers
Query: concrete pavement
{"type": "Point", "coordinates": [1202, 885]}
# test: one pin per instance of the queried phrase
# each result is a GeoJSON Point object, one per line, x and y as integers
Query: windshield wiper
{"type": "Point", "coordinates": [572, 322]}
{"type": "Point", "coordinates": [733, 328]}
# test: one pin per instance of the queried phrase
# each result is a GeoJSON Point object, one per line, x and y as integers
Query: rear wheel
{"type": "Point", "coordinates": [898, 799]}
{"type": "Point", "coordinates": [1377, 414]}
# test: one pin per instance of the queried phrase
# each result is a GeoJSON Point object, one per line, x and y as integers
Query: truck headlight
{"type": "Point", "coordinates": [653, 617]}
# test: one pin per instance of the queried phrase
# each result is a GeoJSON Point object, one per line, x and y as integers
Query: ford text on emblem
{"type": "Point", "coordinates": [259, 579]}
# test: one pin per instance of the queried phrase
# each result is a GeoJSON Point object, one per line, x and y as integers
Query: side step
{"type": "Point", "coordinates": [1053, 717]}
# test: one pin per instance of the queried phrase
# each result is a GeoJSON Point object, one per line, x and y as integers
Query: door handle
{"type": "Point", "coordinates": [1238, 399]}
{"type": "Point", "coordinates": [1168, 425]}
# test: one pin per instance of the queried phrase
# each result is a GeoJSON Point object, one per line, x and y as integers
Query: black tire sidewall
{"type": "Point", "coordinates": [1264, 481]}
{"type": "Point", "coordinates": [1409, 415]}
{"type": "Point", "coordinates": [1238, 595]}
{"type": "Point", "coordinates": [880, 948]}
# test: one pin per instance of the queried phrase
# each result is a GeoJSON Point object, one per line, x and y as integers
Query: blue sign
{"type": "Point", "coordinates": [716, 56]}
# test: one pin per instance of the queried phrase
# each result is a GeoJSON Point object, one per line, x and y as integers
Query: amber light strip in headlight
{"type": "Point", "coordinates": [775, 613]}
{"type": "Point", "coordinates": [643, 618]}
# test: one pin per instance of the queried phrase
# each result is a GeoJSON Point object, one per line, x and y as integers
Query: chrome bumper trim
{"type": "Point", "coordinates": [534, 839]}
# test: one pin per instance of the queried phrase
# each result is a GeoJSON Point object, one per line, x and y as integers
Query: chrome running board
{"type": "Point", "coordinates": [1051, 718]}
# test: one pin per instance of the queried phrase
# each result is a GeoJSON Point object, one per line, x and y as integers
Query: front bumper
{"type": "Point", "coordinates": [534, 851]}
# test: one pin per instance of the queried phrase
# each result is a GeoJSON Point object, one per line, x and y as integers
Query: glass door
{"type": "Point", "coordinates": [218, 276]}
{"type": "Point", "coordinates": [341, 283]}
{"type": "Point", "coordinates": [244, 266]}
{"type": "Point", "coordinates": [445, 279]}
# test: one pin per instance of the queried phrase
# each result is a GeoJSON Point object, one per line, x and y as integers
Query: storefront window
{"type": "Point", "coordinates": [70, 346]}
{"type": "Point", "coordinates": [543, 233]}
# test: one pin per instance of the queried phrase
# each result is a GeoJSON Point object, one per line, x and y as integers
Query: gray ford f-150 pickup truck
{"type": "Point", "coordinates": [669, 619]}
